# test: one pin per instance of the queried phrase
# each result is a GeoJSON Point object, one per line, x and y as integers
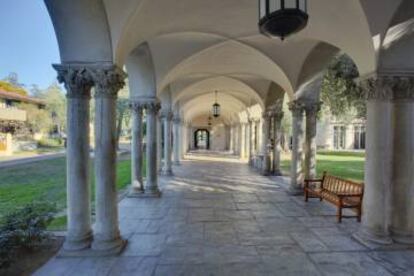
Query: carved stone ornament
{"type": "Point", "coordinates": [388, 88]}
{"type": "Point", "coordinates": [108, 79]}
{"type": "Point", "coordinates": [312, 108]}
{"type": "Point", "coordinates": [166, 115]}
{"type": "Point", "coordinates": [152, 107]}
{"type": "Point", "coordinates": [136, 107]}
{"type": "Point", "coordinates": [297, 108]}
{"type": "Point", "coordinates": [76, 79]}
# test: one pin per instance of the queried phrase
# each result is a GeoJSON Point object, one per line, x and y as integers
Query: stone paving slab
{"type": "Point", "coordinates": [222, 218]}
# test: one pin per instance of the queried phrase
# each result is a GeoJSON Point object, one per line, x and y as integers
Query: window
{"type": "Point", "coordinates": [339, 137]}
{"type": "Point", "coordinates": [359, 137]}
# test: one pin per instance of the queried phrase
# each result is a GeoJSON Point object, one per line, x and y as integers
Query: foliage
{"type": "Point", "coordinates": [24, 228]}
{"type": "Point", "coordinates": [348, 165]}
{"type": "Point", "coordinates": [8, 87]}
{"type": "Point", "coordinates": [50, 143]}
{"type": "Point", "coordinates": [339, 92]}
{"type": "Point", "coordinates": [38, 120]}
{"type": "Point", "coordinates": [55, 101]}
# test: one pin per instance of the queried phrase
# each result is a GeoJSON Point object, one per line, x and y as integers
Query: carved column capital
{"type": "Point", "coordinates": [136, 107]}
{"type": "Point", "coordinates": [297, 108]}
{"type": "Point", "coordinates": [166, 115]}
{"type": "Point", "coordinates": [108, 79]}
{"type": "Point", "coordinates": [177, 120]}
{"type": "Point", "coordinates": [388, 88]}
{"type": "Point", "coordinates": [152, 107]}
{"type": "Point", "coordinates": [312, 108]}
{"type": "Point", "coordinates": [76, 79]}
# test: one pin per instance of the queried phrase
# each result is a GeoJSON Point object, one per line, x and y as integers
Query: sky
{"type": "Point", "coordinates": [28, 43]}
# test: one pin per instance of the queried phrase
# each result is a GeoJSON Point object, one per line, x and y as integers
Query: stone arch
{"type": "Point", "coordinates": [82, 30]}
{"type": "Point", "coordinates": [141, 71]}
{"type": "Point", "coordinates": [395, 54]}
{"type": "Point", "coordinates": [226, 57]}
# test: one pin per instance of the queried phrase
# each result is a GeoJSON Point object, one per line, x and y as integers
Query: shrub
{"type": "Point", "coordinates": [24, 228]}
{"type": "Point", "coordinates": [50, 143]}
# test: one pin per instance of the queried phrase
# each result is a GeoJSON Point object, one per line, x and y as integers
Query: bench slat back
{"type": "Point", "coordinates": [342, 186]}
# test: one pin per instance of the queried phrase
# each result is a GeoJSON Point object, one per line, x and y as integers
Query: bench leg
{"type": "Point", "coordinates": [339, 214]}
{"type": "Point", "coordinates": [306, 196]}
{"type": "Point", "coordinates": [359, 213]}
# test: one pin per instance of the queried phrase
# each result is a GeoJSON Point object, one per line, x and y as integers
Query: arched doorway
{"type": "Point", "coordinates": [202, 139]}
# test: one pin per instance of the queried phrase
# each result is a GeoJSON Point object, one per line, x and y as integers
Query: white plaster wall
{"type": "Point", "coordinates": [218, 138]}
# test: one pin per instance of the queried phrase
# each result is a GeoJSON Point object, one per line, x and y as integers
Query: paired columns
{"type": "Point", "coordinates": [167, 119]}
{"type": "Point", "coordinates": [177, 140]}
{"type": "Point", "coordinates": [311, 111]}
{"type": "Point", "coordinates": [389, 167]}
{"type": "Point", "coordinates": [137, 148]}
{"type": "Point", "coordinates": [78, 80]}
{"type": "Point", "coordinates": [267, 122]}
{"type": "Point", "coordinates": [277, 135]}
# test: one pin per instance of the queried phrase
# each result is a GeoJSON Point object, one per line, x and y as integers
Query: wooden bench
{"type": "Point", "coordinates": [343, 193]}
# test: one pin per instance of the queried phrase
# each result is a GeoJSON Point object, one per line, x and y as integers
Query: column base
{"type": "Point", "coordinates": [402, 237]}
{"type": "Point", "coordinates": [295, 191]}
{"type": "Point", "coordinates": [135, 191]}
{"type": "Point", "coordinates": [108, 247]}
{"type": "Point", "coordinates": [167, 172]}
{"type": "Point", "coordinates": [372, 239]}
{"type": "Point", "coordinates": [277, 173]}
{"type": "Point", "coordinates": [73, 244]}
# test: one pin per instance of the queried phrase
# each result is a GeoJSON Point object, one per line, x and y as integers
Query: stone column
{"type": "Point", "coordinates": [265, 142]}
{"type": "Point", "coordinates": [296, 184]}
{"type": "Point", "coordinates": [402, 210]}
{"type": "Point", "coordinates": [108, 81]}
{"type": "Point", "coordinates": [250, 138]}
{"type": "Point", "coordinates": [159, 144]}
{"type": "Point", "coordinates": [277, 130]}
{"type": "Point", "coordinates": [311, 110]}
{"type": "Point", "coordinates": [243, 141]}
{"type": "Point", "coordinates": [137, 153]}
{"type": "Point", "coordinates": [231, 137]}
{"type": "Point", "coordinates": [151, 186]}
{"type": "Point", "coordinates": [378, 163]}
{"type": "Point", "coordinates": [167, 168]}
{"type": "Point", "coordinates": [177, 122]}
{"type": "Point", "coordinates": [78, 84]}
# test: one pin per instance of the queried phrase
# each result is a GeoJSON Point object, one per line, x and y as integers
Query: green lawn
{"type": "Point", "coordinates": [348, 165]}
{"type": "Point", "coordinates": [46, 181]}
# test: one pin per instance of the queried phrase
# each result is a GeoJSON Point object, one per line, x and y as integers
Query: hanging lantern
{"type": "Point", "coordinates": [216, 108]}
{"type": "Point", "coordinates": [282, 18]}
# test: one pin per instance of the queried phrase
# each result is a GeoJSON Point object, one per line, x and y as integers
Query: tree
{"type": "Point", "coordinates": [339, 92]}
{"type": "Point", "coordinates": [55, 101]}
{"type": "Point", "coordinates": [38, 120]}
{"type": "Point", "coordinates": [123, 112]}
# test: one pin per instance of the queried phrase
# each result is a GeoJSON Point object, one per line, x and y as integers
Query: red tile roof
{"type": "Point", "coordinates": [18, 97]}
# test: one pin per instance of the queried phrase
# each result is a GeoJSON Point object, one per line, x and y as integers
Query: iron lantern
{"type": "Point", "coordinates": [216, 108]}
{"type": "Point", "coordinates": [282, 18]}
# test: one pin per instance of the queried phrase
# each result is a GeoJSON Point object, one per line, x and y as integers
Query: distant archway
{"type": "Point", "coordinates": [202, 139]}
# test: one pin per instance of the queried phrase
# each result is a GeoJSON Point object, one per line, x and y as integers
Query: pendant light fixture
{"type": "Point", "coordinates": [216, 108]}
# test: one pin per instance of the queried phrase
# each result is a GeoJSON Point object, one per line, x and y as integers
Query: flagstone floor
{"type": "Point", "coordinates": [222, 218]}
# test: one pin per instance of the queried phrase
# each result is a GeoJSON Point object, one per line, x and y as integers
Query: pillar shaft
{"type": "Point", "coordinates": [250, 139]}
{"type": "Point", "coordinates": [312, 110]}
{"type": "Point", "coordinates": [78, 85]}
{"type": "Point", "coordinates": [277, 132]}
{"type": "Point", "coordinates": [137, 148]}
{"type": "Point", "coordinates": [177, 142]}
{"type": "Point", "coordinates": [159, 144]}
{"type": "Point", "coordinates": [265, 143]}
{"type": "Point", "coordinates": [296, 183]}
{"type": "Point", "coordinates": [243, 141]}
{"type": "Point", "coordinates": [378, 166]}
{"type": "Point", "coordinates": [167, 168]}
{"type": "Point", "coordinates": [402, 210]}
{"type": "Point", "coordinates": [151, 187]}
{"type": "Point", "coordinates": [108, 82]}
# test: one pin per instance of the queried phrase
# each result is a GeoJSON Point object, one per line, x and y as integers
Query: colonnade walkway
{"type": "Point", "coordinates": [221, 218]}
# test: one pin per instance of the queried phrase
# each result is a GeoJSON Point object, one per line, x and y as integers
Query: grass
{"type": "Point", "coordinates": [348, 165]}
{"type": "Point", "coordinates": [46, 181]}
